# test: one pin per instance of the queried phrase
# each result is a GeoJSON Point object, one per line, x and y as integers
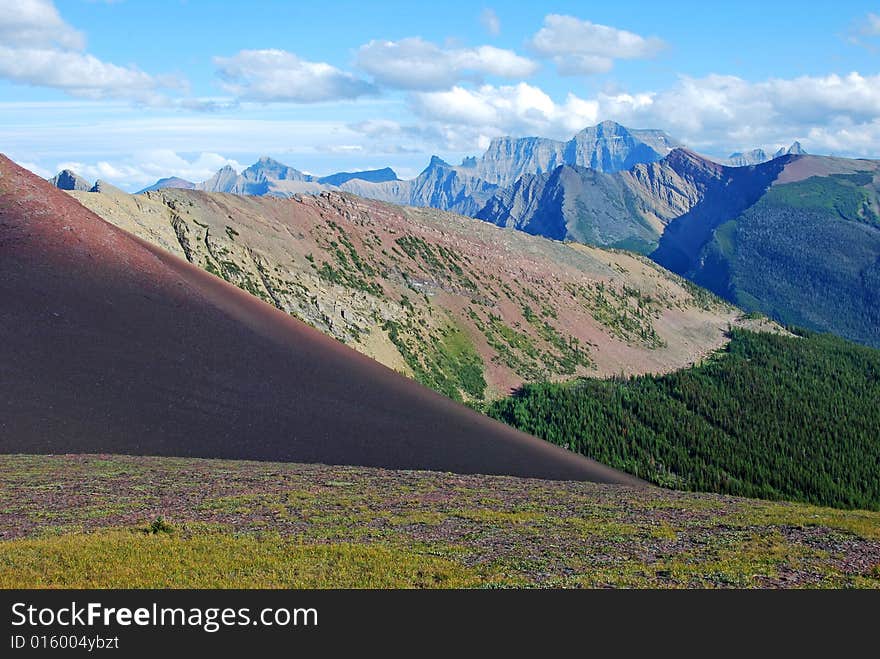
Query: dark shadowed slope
{"type": "Point", "coordinates": [108, 344]}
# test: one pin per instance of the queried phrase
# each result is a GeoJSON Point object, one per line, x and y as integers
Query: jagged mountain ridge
{"type": "Point", "coordinates": [465, 189]}
{"type": "Point", "coordinates": [606, 147]}
{"type": "Point", "coordinates": [627, 209]}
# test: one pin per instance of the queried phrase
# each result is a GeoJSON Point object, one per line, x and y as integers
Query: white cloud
{"type": "Point", "coordinates": [277, 75]}
{"type": "Point", "coordinates": [580, 47]}
{"type": "Point", "coordinates": [40, 49]}
{"type": "Point", "coordinates": [512, 109]}
{"type": "Point", "coordinates": [833, 113]}
{"type": "Point", "coordinates": [146, 167]}
{"type": "Point", "coordinates": [36, 24]}
{"type": "Point", "coordinates": [80, 74]}
{"type": "Point", "coordinates": [417, 64]}
{"type": "Point", "coordinates": [490, 21]}
{"type": "Point", "coordinates": [35, 168]}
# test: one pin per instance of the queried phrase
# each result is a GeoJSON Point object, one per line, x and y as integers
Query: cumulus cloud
{"type": "Point", "coordinates": [278, 75]}
{"type": "Point", "coordinates": [40, 49]}
{"type": "Point", "coordinates": [37, 24]}
{"type": "Point", "coordinates": [579, 47]}
{"type": "Point", "coordinates": [831, 113]}
{"type": "Point", "coordinates": [490, 21]}
{"type": "Point", "coordinates": [80, 74]}
{"type": "Point", "coordinates": [417, 64]}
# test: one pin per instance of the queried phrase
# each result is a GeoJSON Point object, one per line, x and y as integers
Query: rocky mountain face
{"type": "Point", "coordinates": [606, 147]}
{"type": "Point", "coordinates": [464, 307]}
{"type": "Point", "coordinates": [264, 177]}
{"type": "Point", "coordinates": [796, 238]}
{"type": "Point", "coordinates": [627, 209]}
{"type": "Point", "coordinates": [794, 150]}
{"type": "Point", "coordinates": [440, 185]}
{"type": "Point", "coordinates": [68, 180]}
{"type": "Point", "coordinates": [225, 180]}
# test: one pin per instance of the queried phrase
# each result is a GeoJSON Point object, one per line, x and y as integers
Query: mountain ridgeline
{"type": "Point", "coordinates": [465, 189]}
{"type": "Point", "coordinates": [794, 236]}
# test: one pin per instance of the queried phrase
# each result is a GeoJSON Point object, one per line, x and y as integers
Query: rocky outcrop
{"type": "Point", "coordinates": [105, 188]}
{"type": "Point", "coordinates": [68, 180]}
{"type": "Point", "coordinates": [606, 147]}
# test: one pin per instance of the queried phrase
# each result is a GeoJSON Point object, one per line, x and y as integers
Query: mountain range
{"type": "Point", "coordinates": [639, 190]}
{"type": "Point", "coordinates": [606, 147]}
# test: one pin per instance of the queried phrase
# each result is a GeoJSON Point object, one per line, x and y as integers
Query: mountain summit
{"type": "Point", "coordinates": [69, 180]}
{"type": "Point", "coordinates": [605, 147]}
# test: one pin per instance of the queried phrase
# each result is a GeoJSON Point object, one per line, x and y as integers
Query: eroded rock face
{"type": "Point", "coordinates": [622, 209]}
{"type": "Point", "coordinates": [606, 147]}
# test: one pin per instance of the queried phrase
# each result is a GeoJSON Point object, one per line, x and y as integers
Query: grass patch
{"type": "Point", "coordinates": [126, 559]}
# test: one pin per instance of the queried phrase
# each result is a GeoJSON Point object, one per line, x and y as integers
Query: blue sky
{"type": "Point", "coordinates": [132, 90]}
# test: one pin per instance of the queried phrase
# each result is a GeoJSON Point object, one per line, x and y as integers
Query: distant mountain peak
{"type": "Point", "coordinates": [794, 150]}
{"type": "Point", "coordinates": [437, 161]}
{"type": "Point", "coordinates": [169, 182]}
{"type": "Point", "coordinates": [67, 179]}
{"type": "Point", "coordinates": [383, 175]}
{"type": "Point", "coordinates": [758, 156]}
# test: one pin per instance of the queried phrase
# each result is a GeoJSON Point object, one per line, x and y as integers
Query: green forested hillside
{"type": "Point", "coordinates": [807, 254]}
{"type": "Point", "coordinates": [771, 416]}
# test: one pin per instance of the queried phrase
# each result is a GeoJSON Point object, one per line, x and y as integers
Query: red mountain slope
{"type": "Point", "coordinates": [111, 345]}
